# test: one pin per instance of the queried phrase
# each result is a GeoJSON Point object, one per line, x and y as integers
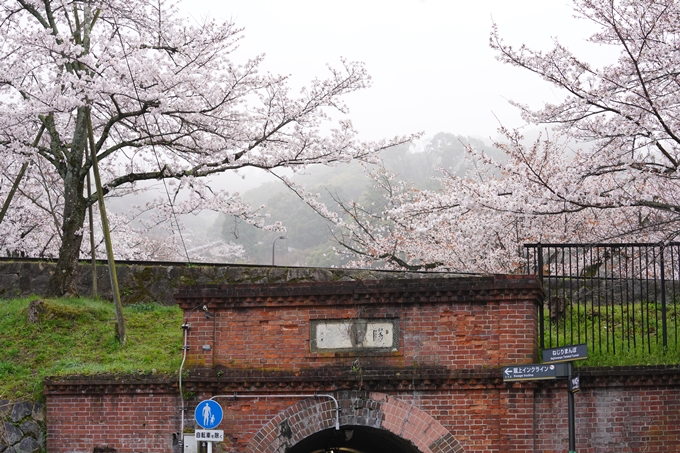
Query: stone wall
{"type": "Point", "coordinates": [23, 427]}
{"type": "Point", "coordinates": [159, 282]}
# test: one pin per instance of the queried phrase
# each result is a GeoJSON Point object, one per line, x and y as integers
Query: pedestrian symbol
{"type": "Point", "coordinates": [208, 414]}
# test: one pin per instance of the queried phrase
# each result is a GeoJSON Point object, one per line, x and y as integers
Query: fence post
{"type": "Point", "coordinates": [541, 321]}
{"type": "Point", "coordinates": [664, 331]}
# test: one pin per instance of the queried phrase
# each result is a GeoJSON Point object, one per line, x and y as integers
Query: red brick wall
{"type": "Point", "coordinates": [616, 413]}
{"type": "Point", "coordinates": [460, 323]}
{"type": "Point", "coordinates": [442, 390]}
{"type": "Point", "coordinates": [472, 417]}
{"type": "Point", "coordinates": [619, 410]}
{"type": "Point", "coordinates": [129, 415]}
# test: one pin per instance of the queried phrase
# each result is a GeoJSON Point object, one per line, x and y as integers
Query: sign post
{"type": "Point", "coordinates": [208, 415]}
{"type": "Point", "coordinates": [558, 364]}
{"type": "Point", "coordinates": [572, 417]}
{"type": "Point", "coordinates": [569, 354]}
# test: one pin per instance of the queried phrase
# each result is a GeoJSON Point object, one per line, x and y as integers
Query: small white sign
{"type": "Point", "coordinates": [209, 435]}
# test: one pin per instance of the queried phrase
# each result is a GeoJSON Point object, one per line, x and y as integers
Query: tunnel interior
{"type": "Point", "coordinates": [354, 439]}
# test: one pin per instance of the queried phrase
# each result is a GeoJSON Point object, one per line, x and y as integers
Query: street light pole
{"type": "Point", "coordinates": [274, 245]}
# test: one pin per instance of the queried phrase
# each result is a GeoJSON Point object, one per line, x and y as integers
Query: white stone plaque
{"type": "Point", "coordinates": [353, 334]}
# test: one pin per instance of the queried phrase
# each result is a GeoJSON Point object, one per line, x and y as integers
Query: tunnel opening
{"type": "Point", "coordinates": [354, 439]}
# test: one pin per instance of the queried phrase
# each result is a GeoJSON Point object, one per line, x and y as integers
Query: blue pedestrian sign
{"type": "Point", "coordinates": [208, 414]}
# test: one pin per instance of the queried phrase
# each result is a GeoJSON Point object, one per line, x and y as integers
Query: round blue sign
{"type": "Point", "coordinates": [208, 414]}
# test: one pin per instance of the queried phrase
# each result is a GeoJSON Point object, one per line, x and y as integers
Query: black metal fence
{"type": "Point", "coordinates": [614, 297]}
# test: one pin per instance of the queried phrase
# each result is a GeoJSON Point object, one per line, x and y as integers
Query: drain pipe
{"type": "Point", "coordinates": [185, 329]}
{"type": "Point", "coordinates": [315, 395]}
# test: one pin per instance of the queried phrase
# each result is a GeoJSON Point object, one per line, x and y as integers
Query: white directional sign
{"type": "Point", "coordinates": [528, 372]}
{"type": "Point", "coordinates": [209, 435]}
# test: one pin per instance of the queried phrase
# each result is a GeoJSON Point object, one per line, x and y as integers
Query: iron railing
{"type": "Point", "coordinates": [614, 297]}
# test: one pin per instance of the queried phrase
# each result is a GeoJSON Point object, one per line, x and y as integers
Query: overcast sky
{"type": "Point", "coordinates": [430, 61]}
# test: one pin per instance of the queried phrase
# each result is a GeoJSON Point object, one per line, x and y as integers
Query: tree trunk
{"type": "Point", "coordinates": [64, 281]}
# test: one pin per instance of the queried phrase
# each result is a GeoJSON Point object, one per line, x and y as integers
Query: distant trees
{"type": "Point", "coordinates": [607, 169]}
{"type": "Point", "coordinates": [161, 100]}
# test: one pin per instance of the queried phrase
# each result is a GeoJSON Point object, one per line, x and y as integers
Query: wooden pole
{"type": "Point", "coordinates": [120, 324]}
{"type": "Point", "coordinates": [92, 246]}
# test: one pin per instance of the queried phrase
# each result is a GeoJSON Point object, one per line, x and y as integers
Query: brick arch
{"type": "Point", "coordinates": [376, 410]}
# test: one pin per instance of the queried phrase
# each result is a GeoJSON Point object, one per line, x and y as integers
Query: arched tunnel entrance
{"type": "Point", "coordinates": [367, 422]}
{"type": "Point", "coordinates": [354, 439]}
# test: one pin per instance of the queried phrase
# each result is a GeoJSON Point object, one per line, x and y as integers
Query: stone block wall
{"type": "Point", "coordinates": [158, 282]}
{"type": "Point", "coordinates": [23, 427]}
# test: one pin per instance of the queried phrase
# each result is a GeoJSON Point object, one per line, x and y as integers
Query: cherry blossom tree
{"type": "Point", "coordinates": [622, 117]}
{"type": "Point", "coordinates": [27, 210]}
{"type": "Point", "coordinates": [477, 222]}
{"type": "Point", "coordinates": [165, 102]}
{"type": "Point", "coordinates": [605, 169]}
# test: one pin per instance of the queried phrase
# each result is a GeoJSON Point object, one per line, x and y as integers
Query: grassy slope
{"type": "Point", "coordinates": [622, 345]}
{"type": "Point", "coordinates": [76, 336]}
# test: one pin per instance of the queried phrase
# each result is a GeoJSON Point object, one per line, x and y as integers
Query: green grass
{"type": "Point", "coordinates": [623, 335]}
{"type": "Point", "coordinates": [77, 336]}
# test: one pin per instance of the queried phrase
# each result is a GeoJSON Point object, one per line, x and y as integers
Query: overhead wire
{"type": "Point", "coordinates": [153, 146]}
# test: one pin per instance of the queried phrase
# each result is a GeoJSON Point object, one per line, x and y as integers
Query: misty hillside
{"type": "Point", "coordinates": [309, 240]}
